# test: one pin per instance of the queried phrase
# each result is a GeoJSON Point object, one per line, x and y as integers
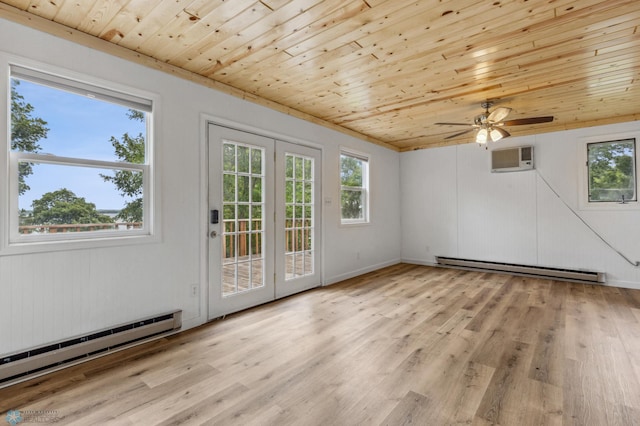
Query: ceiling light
{"type": "Point", "coordinates": [482, 135]}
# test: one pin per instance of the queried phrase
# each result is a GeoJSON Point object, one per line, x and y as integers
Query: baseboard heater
{"type": "Point", "coordinates": [573, 275]}
{"type": "Point", "coordinates": [23, 365]}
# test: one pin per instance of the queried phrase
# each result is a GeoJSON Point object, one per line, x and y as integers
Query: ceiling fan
{"type": "Point", "coordinates": [490, 125]}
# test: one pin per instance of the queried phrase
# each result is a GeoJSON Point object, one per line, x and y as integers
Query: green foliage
{"type": "Point", "coordinates": [129, 183]}
{"type": "Point", "coordinates": [64, 207]}
{"type": "Point", "coordinates": [245, 183]}
{"type": "Point", "coordinates": [611, 171]}
{"type": "Point", "coordinates": [26, 132]}
{"type": "Point", "coordinates": [25, 218]}
{"type": "Point", "coordinates": [352, 194]}
{"type": "Point", "coordinates": [131, 212]}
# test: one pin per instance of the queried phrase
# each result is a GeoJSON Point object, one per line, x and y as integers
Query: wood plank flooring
{"type": "Point", "coordinates": [404, 345]}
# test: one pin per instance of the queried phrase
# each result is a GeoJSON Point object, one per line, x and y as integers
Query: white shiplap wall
{"type": "Point", "coordinates": [499, 227]}
{"type": "Point", "coordinates": [453, 206]}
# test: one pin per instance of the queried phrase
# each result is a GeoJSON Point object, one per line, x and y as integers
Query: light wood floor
{"type": "Point", "coordinates": [404, 345]}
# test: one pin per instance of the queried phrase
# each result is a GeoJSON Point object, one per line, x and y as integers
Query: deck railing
{"type": "Point", "coordinates": [239, 240]}
{"type": "Point", "coordinates": [78, 227]}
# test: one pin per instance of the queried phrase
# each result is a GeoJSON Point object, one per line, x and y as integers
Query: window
{"type": "Point", "coordinates": [79, 160]}
{"type": "Point", "coordinates": [354, 193]}
{"type": "Point", "coordinates": [612, 171]}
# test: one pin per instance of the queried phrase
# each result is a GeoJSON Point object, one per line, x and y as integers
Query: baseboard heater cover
{"type": "Point", "coordinates": [23, 365]}
{"type": "Point", "coordinates": [573, 275]}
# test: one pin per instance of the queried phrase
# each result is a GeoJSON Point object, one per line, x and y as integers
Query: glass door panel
{"type": "Point", "coordinates": [297, 218]}
{"type": "Point", "coordinates": [298, 224]}
{"type": "Point", "coordinates": [242, 231]}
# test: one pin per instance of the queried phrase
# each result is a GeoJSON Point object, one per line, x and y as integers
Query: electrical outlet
{"type": "Point", "coordinates": [194, 290]}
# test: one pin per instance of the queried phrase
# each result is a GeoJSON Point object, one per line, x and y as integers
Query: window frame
{"type": "Point", "coordinates": [583, 156]}
{"type": "Point", "coordinates": [365, 188]}
{"type": "Point", "coordinates": [11, 241]}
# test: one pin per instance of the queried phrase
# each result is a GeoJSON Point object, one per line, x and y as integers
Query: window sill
{"type": "Point", "coordinates": [610, 206]}
{"type": "Point", "coordinates": [42, 246]}
{"type": "Point", "coordinates": [355, 224]}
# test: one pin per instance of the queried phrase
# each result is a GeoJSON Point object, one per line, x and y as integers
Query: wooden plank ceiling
{"type": "Point", "coordinates": [384, 69]}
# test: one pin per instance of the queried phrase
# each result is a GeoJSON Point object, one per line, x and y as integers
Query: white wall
{"type": "Point", "coordinates": [54, 295]}
{"type": "Point", "coordinates": [453, 206]}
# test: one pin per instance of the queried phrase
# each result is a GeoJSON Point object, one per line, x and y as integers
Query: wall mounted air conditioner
{"type": "Point", "coordinates": [512, 159]}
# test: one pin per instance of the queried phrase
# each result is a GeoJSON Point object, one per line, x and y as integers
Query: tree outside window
{"type": "Point", "coordinates": [354, 181]}
{"type": "Point", "coordinates": [69, 180]}
{"type": "Point", "coordinates": [612, 171]}
{"type": "Point", "coordinates": [26, 132]}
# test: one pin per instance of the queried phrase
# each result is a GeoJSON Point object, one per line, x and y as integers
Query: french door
{"type": "Point", "coordinates": [298, 210]}
{"type": "Point", "coordinates": [264, 233]}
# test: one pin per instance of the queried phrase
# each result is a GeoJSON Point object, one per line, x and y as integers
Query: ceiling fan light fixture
{"type": "Point", "coordinates": [497, 133]}
{"type": "Point", "coordinates": [490, 125]}
{"type": "Point", "coordinates": [482, 135]}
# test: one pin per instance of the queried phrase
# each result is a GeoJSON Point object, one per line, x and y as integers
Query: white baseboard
{"type": "Point", "coordinates": [623, 284]}
{"type": "Point", "coordinates": [361, 271]}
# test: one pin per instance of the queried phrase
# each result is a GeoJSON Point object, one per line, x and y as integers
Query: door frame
{"type": "Point", "coordinates": [201, 291]}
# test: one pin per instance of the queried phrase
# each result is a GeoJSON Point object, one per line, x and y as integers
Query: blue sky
{"type": "Point", "coordinates": [79, 127]}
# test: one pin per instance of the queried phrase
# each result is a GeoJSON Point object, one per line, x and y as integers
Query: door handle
{"type": "Point", "coordinates": [213, 234]}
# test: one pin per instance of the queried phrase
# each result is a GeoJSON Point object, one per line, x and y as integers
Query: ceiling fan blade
{"type": "Point", "coordinates": [532, 120]}
{"type": "Point", "coordinates": [498, 114]}
{"type": "Point", "coordinates": [454, 124]}
{"type": "Point", "coordinates": [459, 134]}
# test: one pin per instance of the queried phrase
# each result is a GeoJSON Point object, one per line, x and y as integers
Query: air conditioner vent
{"type": "Point", "coordinates": [512, 159]}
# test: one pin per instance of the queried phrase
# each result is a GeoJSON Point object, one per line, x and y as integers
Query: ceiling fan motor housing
{"type": "Point", "coordinates": [480, 120]}
{"type": "Point", "coordinates": [486, 105]}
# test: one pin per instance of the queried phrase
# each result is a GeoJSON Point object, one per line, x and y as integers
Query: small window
{"type": "Point", "coordinates": [79, 160]}
{"type": "Point", "coordinates": [612, 171]}
{"type": "Point", "coordinates": [354, 194]}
